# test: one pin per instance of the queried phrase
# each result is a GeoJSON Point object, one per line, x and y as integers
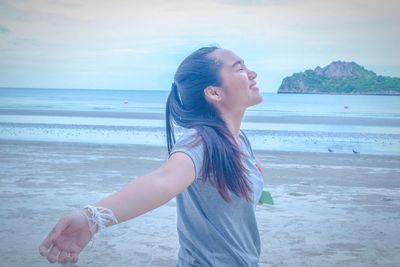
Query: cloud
{"type": "Point", "coordinates": [252, 3]}
{"type": "Point", "coordinates": [246, 2]}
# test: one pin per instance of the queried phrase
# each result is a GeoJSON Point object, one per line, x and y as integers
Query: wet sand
{"type": "Point", "coordinates": [330, 209]}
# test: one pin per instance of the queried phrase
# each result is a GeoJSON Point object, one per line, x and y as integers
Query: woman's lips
{"type": "Point", "coordinates": [254, 87]}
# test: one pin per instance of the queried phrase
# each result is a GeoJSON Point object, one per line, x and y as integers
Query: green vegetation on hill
{"type": "Point", "coordinates": [340, 78]}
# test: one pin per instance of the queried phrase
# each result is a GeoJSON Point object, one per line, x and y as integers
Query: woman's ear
{"type": "Point", "coordinates": [212, 94]}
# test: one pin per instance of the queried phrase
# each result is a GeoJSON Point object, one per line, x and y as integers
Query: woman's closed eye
{"type": "Point", "coordinates": [241, 68]}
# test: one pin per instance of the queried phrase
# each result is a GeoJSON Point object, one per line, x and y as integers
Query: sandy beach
{"type": "Point", "coordinates": [330, 209]}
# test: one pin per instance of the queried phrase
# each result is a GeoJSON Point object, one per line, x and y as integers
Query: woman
{"type": "Point", "coordinates": [211, 171]}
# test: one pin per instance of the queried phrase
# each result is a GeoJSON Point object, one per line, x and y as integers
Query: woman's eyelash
{"type": "Point", "coordinates": [241, 67]}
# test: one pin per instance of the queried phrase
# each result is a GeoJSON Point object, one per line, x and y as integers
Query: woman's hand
{"type": "Point", "coordinates": [67, 239]}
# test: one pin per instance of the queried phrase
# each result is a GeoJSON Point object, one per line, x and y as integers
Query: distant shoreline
{"type": "Point", "coordinates": [316, 93]}
{"type": "Point", "coordinates": [247, 118]}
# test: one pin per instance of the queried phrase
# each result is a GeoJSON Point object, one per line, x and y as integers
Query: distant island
{"type": "Point", "coordinates": [340, 77]}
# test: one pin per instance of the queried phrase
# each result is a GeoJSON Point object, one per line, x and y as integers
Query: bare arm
{"type": "Point", "coordinates": [152, 190]}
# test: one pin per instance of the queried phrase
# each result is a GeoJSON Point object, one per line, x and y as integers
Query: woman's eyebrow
{"type": "Point", "coordinates": [238, 62]}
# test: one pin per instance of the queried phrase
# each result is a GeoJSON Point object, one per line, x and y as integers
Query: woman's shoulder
{"type": "Point", "coordinates": [189, 138]}
{"type": "Point", "coordinates": [190, 143]}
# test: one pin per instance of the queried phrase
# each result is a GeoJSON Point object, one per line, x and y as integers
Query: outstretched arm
{"type": "Point", "coordinates": [152, 190]}
{"type": "Point", "coordinates": [71, 234]}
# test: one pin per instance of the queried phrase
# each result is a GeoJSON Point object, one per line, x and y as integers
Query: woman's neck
{"type": "Point", "coordinates": [233, 121]}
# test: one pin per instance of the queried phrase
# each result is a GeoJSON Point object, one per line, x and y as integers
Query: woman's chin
{"type": "Point", "coordinates": [259, 99]}
{"type": "Point", "coordinates": [256, 101]}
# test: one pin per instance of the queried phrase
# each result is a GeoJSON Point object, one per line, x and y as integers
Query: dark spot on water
{"type": "Point", "coordinates": [297, 194]}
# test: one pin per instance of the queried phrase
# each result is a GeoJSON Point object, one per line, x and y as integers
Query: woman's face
{"type": "Point", "coordinates": [239, 89]}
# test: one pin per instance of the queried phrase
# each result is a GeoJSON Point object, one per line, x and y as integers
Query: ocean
{"type": "Point", "coordinates": [366, 124]}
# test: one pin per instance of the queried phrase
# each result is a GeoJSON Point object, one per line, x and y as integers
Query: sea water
{"type": "Point", "coordinates": [367, 124]}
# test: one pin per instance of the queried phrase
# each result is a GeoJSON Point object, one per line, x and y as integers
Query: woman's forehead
{"type": "Point", "coordinates": [227, 57]}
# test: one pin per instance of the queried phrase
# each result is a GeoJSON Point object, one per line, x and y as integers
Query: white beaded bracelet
{"type": "Point", "coordinates": [99, 218]}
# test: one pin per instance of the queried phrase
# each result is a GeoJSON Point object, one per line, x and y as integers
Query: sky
{"type": "Point", "coordinates": [138, 45]}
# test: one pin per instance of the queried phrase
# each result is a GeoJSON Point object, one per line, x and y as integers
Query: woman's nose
{"type": "Point", "coordinates": [252, 74]}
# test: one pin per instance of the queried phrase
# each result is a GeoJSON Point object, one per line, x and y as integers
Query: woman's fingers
{"type": "Point", "coordinates": [48, 242]}
{"type": "Point", "coordinates": [53, 254]}
{"type": "Point", "coordinates": [64, 257]}
{"type": "Point", "coordinates": [46, 245]}
{"type": "Point", "coordinates": [64, 242]}
{"type": "Point", "coordinates": [74, 257]}
{"type": "Point", "coordinates": [69, 251]}
{"type": "Point", "coordinates": [44, 249]}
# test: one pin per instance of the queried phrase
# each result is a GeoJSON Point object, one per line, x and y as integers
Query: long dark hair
{"type": "Point", "coordinates": [187, 107]}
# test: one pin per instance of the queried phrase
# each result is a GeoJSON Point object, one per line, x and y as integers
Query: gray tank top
{"type": "Point", "coordinates": [211, 231]}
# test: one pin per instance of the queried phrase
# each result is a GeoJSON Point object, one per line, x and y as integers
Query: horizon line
{"type": "Point", "coordinates": [104, 89]}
